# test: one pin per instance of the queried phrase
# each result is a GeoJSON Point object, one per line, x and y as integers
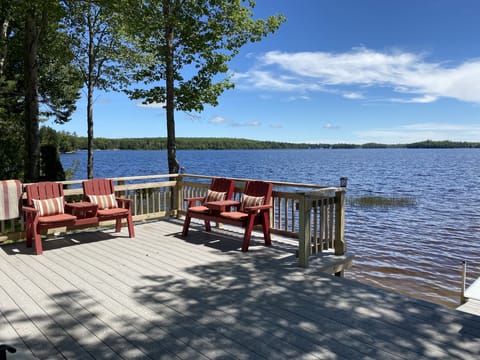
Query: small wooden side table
{"type": "Point", "coordinates": [86, 212]}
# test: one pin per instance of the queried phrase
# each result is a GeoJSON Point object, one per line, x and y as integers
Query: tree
{"type": "Point", "coordinates": [11, 112]}
{"type": "Point", "coordinates": [92, 29]}
{"type": "Point", "coordinates": [197, 37]}
{"type": "Point", "coordinates": [40, 81]}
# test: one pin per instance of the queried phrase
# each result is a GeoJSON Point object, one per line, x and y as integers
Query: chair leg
{"type": "Point", "coordinates": [266, 229]}
{"type": "Point", "coordinates": [28, 235]}
{"type": "Point", "coordinates": [248, 232]}
{"type": "Point", "coordinates": [186, 225]}
{"type": "Point", "coordinates": [38, 242]}
{"type": "Point", "coordinates": [118, 224]}
{"type": "Point", "coordinates": [208, 227]}
{"type": "Point", "coordinates": [131, 230]}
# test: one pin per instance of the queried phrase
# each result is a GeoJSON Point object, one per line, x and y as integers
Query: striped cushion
{"type": "Point", "coordinates": [10, 199]}
{"type": "Point", "coordinates": [248, 201]}
{"type": "Point", "coordinates": [104, 201]}
{"type": "Point", "coordinates": [215, 196]}
{"type": "Point", "coordinates": [48, 207]}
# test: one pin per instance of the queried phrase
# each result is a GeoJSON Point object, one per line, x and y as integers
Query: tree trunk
{"type": "Point", "coordinates": [90, 89]}
{"type": "Point", "coordinates": [4, 44]}
{"type": "Point", "coordinates": [90, 131]}
{"type": "Point", "coordinates": [32, 136]}
{"type": "Point", "coordinates": [173, 165]}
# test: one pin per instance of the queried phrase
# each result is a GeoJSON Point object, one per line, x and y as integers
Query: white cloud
{"type": "Point", "coordinates": [247, 123]}
{"type": "Point", "coordinates": [353, 95]}
{"type": "Point", "coordinates": [400, 72]}
{"type": "Point", "coordinates": [419, 100]}
{"type": "Point", "coordinates": [222, 120]}
{"type": "Point", "coordinates": [219, 120]}
{"type": "Point", "coordinates": [296, 98]}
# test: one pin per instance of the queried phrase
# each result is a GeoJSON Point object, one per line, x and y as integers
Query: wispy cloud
{"type": "Point", "coordinates": [419, 100]}
{"type": "Point", "coordinates": [246, 123]}
{"type": "Point", "coordinates": [297, 98]}
{"type": "Point", "coordinates": [218, 120]}
{"type": "Point", "coordinates": [353, 95]}
{"type": "Point", "coordinates": [222, 120]}
{"type": "Point", "coordinates": [419, 132]}
{"type": "Point", "coordinates": [404, 73]}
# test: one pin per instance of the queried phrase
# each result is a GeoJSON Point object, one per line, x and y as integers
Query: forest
{"type": "Point", "coordinates": [54, 52]}
{"type": "Point", "coordinates": [67, 142]}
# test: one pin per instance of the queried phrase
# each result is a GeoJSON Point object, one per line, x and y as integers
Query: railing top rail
{"type": "Point", "coordinates": [274, 182]}
{"type": "Point", "coordinates": [311, 190]}
{"type": "Point", "coordinates": [329, 192]}
{"type": "Point", "coordinates": [123, 178]}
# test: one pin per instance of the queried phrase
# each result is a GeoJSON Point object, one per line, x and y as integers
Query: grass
{"type": "Point", "coordinates": [382, 201]}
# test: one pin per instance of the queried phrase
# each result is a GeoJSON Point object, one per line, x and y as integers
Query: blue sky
{"type": "Point", "coordinates": [337, 71]}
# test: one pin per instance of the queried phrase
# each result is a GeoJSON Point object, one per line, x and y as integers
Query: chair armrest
{"type": "Point", "coordinates": [29, 210]}
{"type": "Point", "coordinates": [192, 200]}
{"type": "Point", "coordinates": [257, 208]}
{"type": "Point", "coordinates": [124, 203]}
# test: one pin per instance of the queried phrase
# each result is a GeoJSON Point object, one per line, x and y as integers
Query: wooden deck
{"type": "Point", "coordinates": [102, 295]}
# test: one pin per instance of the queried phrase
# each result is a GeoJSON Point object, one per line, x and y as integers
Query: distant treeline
{"type": "Point", "coordinates": [68, 142]}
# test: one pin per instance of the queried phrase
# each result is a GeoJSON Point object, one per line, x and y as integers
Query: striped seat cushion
{"type": "Point", "coordinates": [48, 207]}
{"type": "Point", "coordinates": [104, 201]}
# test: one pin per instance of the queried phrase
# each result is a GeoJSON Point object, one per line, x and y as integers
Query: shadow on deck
{"type": "Point", "coordinates": [103, 296]}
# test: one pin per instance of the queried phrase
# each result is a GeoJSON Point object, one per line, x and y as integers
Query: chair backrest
{"type": "Point", "coordinates": [259, 188]}
{"type": "Point", "coordinates": [223, 185]}
{"type": "Point", "coordinates": [98, 187]}
{"type": "Point", "coordinates": [43, 190]}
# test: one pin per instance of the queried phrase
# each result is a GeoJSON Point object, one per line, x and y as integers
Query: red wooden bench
{"type": "Point", "coordinates": [220, 189]}
{"type": "Point", "coordinates": [46, 209]}
{"type": "Point", "coordinates": [253, 209]}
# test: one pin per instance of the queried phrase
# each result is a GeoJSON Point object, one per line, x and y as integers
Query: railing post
{"type": "Point", "coordinates": [178, 194]}
{"type": "Point", "coordinates": [304, 231]}
{"type": "Point", "coordinates": [463, 284]}
{"type": "Point", "coordinates": [339, 241]}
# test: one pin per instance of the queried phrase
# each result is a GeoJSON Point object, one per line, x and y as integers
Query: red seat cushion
{"type": "Point", "coordinates": [112, 212]}
{"type": "Point", "coordinates": [234, 215]}
{"type": "Point", "coordinates": [59, 218]}
{"type": "Point", "coordinates": [198, 209]}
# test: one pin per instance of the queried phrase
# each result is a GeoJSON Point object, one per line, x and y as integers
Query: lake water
{"type": "Point", "coordinates": [416, 250]}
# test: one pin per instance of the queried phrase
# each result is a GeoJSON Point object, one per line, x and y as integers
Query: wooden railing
{"type": "Point", "coordinates": [311, 213]}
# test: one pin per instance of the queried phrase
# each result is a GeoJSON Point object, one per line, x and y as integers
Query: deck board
{"type": "Point", "coordinates": [101, 295]}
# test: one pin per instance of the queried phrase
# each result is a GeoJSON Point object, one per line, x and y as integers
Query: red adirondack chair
{"type": "Point", "coordinates": [220, 189]}
{"type": "Point", "coordinates": [102, 192]}
{"type": "Point", "coordinates": [45, 210]}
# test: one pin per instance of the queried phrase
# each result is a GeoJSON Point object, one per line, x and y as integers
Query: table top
{"type": "Point", "coordinates": [220, 205]}
{"type": "Point", "coordinates": [82, 204]}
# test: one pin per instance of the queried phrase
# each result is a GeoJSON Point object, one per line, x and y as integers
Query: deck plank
{"type": "Point", "coordinates": [97, 294]}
